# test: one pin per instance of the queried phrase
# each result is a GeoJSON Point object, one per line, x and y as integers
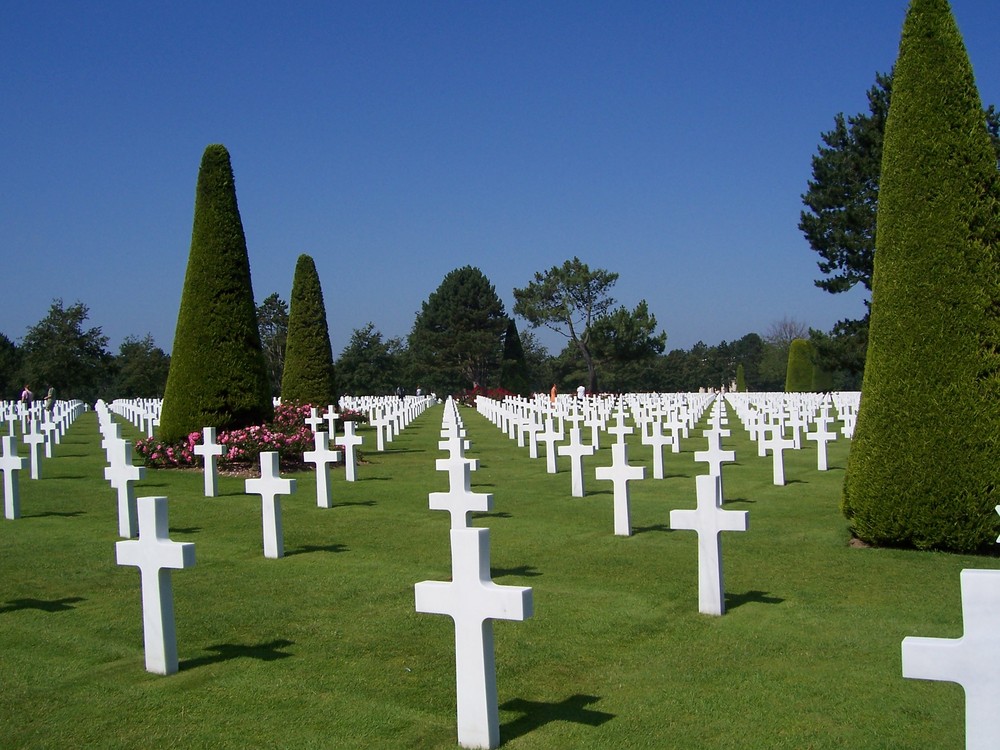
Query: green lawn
{"type": "Point", "coordinates": [323, 648]}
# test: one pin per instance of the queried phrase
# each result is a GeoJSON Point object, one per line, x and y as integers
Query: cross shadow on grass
{"type": "Point", "coordinates": [654, 527]}
{"type": "Point", "coordinates": [522, 571]}
{"type": "Point", "coordinates": [497, 514]}
{"type": "Point", "coordinates": [44, 605]}
{"type": "Point", "coordinates": [750, 597]}
{"type": "Point", "coordinates": [185, 529]}
{"type": "Point", "coordinates": [228, 651]}
{"type": "Point", "coordinates": [535, 714]}
{"type": "Point", "coordinates": [347, 503]}
{"type": "Point", "coordinates": [727, 501]}
{"type": "Point", "coordinates": [57, 514]}
{"type": "Point", "coordinates": [307, 548]}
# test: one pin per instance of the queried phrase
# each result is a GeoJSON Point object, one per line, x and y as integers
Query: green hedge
{"type": "Point", "coordinates": [924, 469]}
{"type": "Point", "coordinates": [217, 373]}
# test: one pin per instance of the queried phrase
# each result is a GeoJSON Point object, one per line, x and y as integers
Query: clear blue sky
{"type": "Point", "coordinates": [396, 141]}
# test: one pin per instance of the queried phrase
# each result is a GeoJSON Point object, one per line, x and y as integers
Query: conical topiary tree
{"type": "Point", "coordinates": [217, 376]}
{"type": "Point", "coordinates": [308, 373]}
{"type": "Point", "coordinates": [799, 372]}
{"type": "Point", "coordinates": [741, 379]}
{"type": "Point", "coordinates": [923, 468]}
{"type": "Point", "coordinates": [514, 369]}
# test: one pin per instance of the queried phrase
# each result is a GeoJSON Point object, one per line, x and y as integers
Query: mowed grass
{"type": "Point", "coordinates": [323, 648]}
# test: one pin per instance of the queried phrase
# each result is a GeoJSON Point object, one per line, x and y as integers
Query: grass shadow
{"type": "Point", "coordinates": [750, 597]}
{"type": "Point", "coordinates": [654, 527]}
{"type": "Point", "coordinates": [57, 514]}
{"type": "Point", "coordinates": [43, 605]}
{"type": "Point", "coordinates": [497, 514]}
{"type": "Point", "coordinates": [727, 501]}
{"type": "Point", "coordinates": [523, 571]}
{"type": "Point", "coordinates": [307, 548]}
{"type": "Point", "coordinates": [347, 503]}
{"type": "Point", "coordinates": [185, 529]}
{"type": "Point", "coordinates": [535, 714]}
{"type": "Point", "coordinates": [228, 651]}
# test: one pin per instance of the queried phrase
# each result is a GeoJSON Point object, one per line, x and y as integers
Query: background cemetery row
{"type": "Point", "coordinates": [64, 350]}
{"type": "Point", "coordinates": [323, 647]}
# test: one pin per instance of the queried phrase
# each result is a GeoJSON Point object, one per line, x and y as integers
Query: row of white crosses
{"type": "Point", "coordinates": [144, 413]}
{"type": "Point", "coordinates": [12, 463]}
{"type": "Point", "coordinates": [709, 519]}
{"type": "Point", "coordinates": [388, 415]}
{"type": "Point", "coordinates": [471, 598]}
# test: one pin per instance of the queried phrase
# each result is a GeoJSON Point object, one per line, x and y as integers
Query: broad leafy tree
{"type": "Point", "coordinates": [569, 299]}
{"type": "Point", "coordinates": [370, 365]}
{"type": "Point", "coordinates": [60, 352]}
{"type": "Point", "coordinates": [308, 373]}
{"type": "Point", "coordinates": [140, 369]}
{"type": "Point", "coordinates": [272, 322]}
{"type": "Point", "coordinates": [217, 377]}
{"type": "Point", "coordinates": [923, 468]}
{"type": "Point", "coordinates": [457, 337]}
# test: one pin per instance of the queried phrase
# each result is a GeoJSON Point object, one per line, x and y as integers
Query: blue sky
{"type": "Point", "coordinates": [396, 141]}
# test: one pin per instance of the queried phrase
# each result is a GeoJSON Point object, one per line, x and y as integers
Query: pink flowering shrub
{"type": "Point", "coordinates": [287, 433]}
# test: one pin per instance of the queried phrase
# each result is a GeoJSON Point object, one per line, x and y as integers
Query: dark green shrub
{"type": "Point", "coordinates": [308, 373]}
{"type": "Point", "coordinates": [923, 469]}
{"type": "Point", "coordinates": [217, 373]}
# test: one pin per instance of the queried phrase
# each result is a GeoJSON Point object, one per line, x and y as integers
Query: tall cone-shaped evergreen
{"type": "Point", "coordinates": [217, 375]}
{"type": "Point", "coordinates": [923, 469]}
{"type": "Point", "coordinates": [308, 373]}
{"type": "Point", "coordinates": [799, 370]}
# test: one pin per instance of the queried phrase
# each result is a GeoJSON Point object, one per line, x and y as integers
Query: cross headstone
{"type": "Point", "coordinates": [971, 660]}
{"type": "Point", "coordinates": [331, 416]}
{"type": "Point", "coordinates": [473, 601]}
{"type": "Point", "coordinates": [34, 440]}
{"type": "Point", "coordinates": [10, 464]}
{"type": "Point", "coordinates": [822, 436]}
{"type": "Point", "coordinates": [709, 520]}
{"type": "Point", "coordinates": [322, 457]}
{"type": "Point", "coordinates": [210, 451]}
{"type": "Point", "coordinates": [550, 436]}
{"type": "Point", "coordinates": [576, 450]}
{"type": "Point", "coordinates": [314, 420]}
{"type": "Point", "coordinates": [459, 500]}
{"type": "Point", "coordinates": [122, 475]}
{"type": "Point", "coordinates": [155, 555]}
{"type": "Point", "coordinates": [349, 441]}
{"type": "Point", "coordinates": [270, 486]}
{"type": "Point", "coordinates": [714, 456]}
{"type": "Point", "coordinates": [657, 438]}
{"type": "Point", "coordinates": [777, 444]}
{"type": "Point", "coordinates": [620, 430]}
{"type": "Point", "coordinates": [620, 474]}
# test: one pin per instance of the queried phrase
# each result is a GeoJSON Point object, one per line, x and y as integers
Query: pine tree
{"type": "Point", "coordinates": [308, 373]}
{"type": "Point", "coordinates": [923, 467]}
{"type": "Point", "coordinates": [217, 373]}
{"type": "Point", "coordinates": [514, 369]}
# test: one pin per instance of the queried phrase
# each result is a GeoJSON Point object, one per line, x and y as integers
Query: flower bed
{"type": "Point", "coordinates": [287, 433]}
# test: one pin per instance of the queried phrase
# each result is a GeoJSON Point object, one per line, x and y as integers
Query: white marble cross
{"type": "Point", "coordinates": [657, 438]}
{"type": "Point", "coordinates": [473, 601]}
{"type": "Point", "coordinates": [822, 436]}
{"type": "Point", "coordinates": [10, 464]}
{"type": "Point", "coordinates": [322, 457]}
{"type": "Point", "coordinates": [576, 450]}
{"type": "Point", "coordinates": [34, 440]}
{"type": "Point", "coordinates": [714, 456]}
{"type": "Point", "coordinates": [349, 441]}
{"type": "Point", "coordinates": [210, 451]}
{"type": "Point", "coordinates": [620, 474]}
{"type": "Point", "coordinates": [270, 486]}
{"type": "Point", "coordinates": [122, 475]}
{"type": "Point", "coordinates": [459, 500]}
{"type": "Point", "coordinates": [620, 430]}
{"type": "Point", "coordinates": [777, 444]}
{"type": "Point", "coordinates": [550, 437]}
{"type": "Point", "coordinates": [331, 416]}
{"type": "Point", "coordinates": [971, 660]}
{"type": "Point", "coordinates": [709, 520]}
{"type": "Point", "coordinates": [154, 554]}
{"type": "Point", "coordinates": [314, 420]}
